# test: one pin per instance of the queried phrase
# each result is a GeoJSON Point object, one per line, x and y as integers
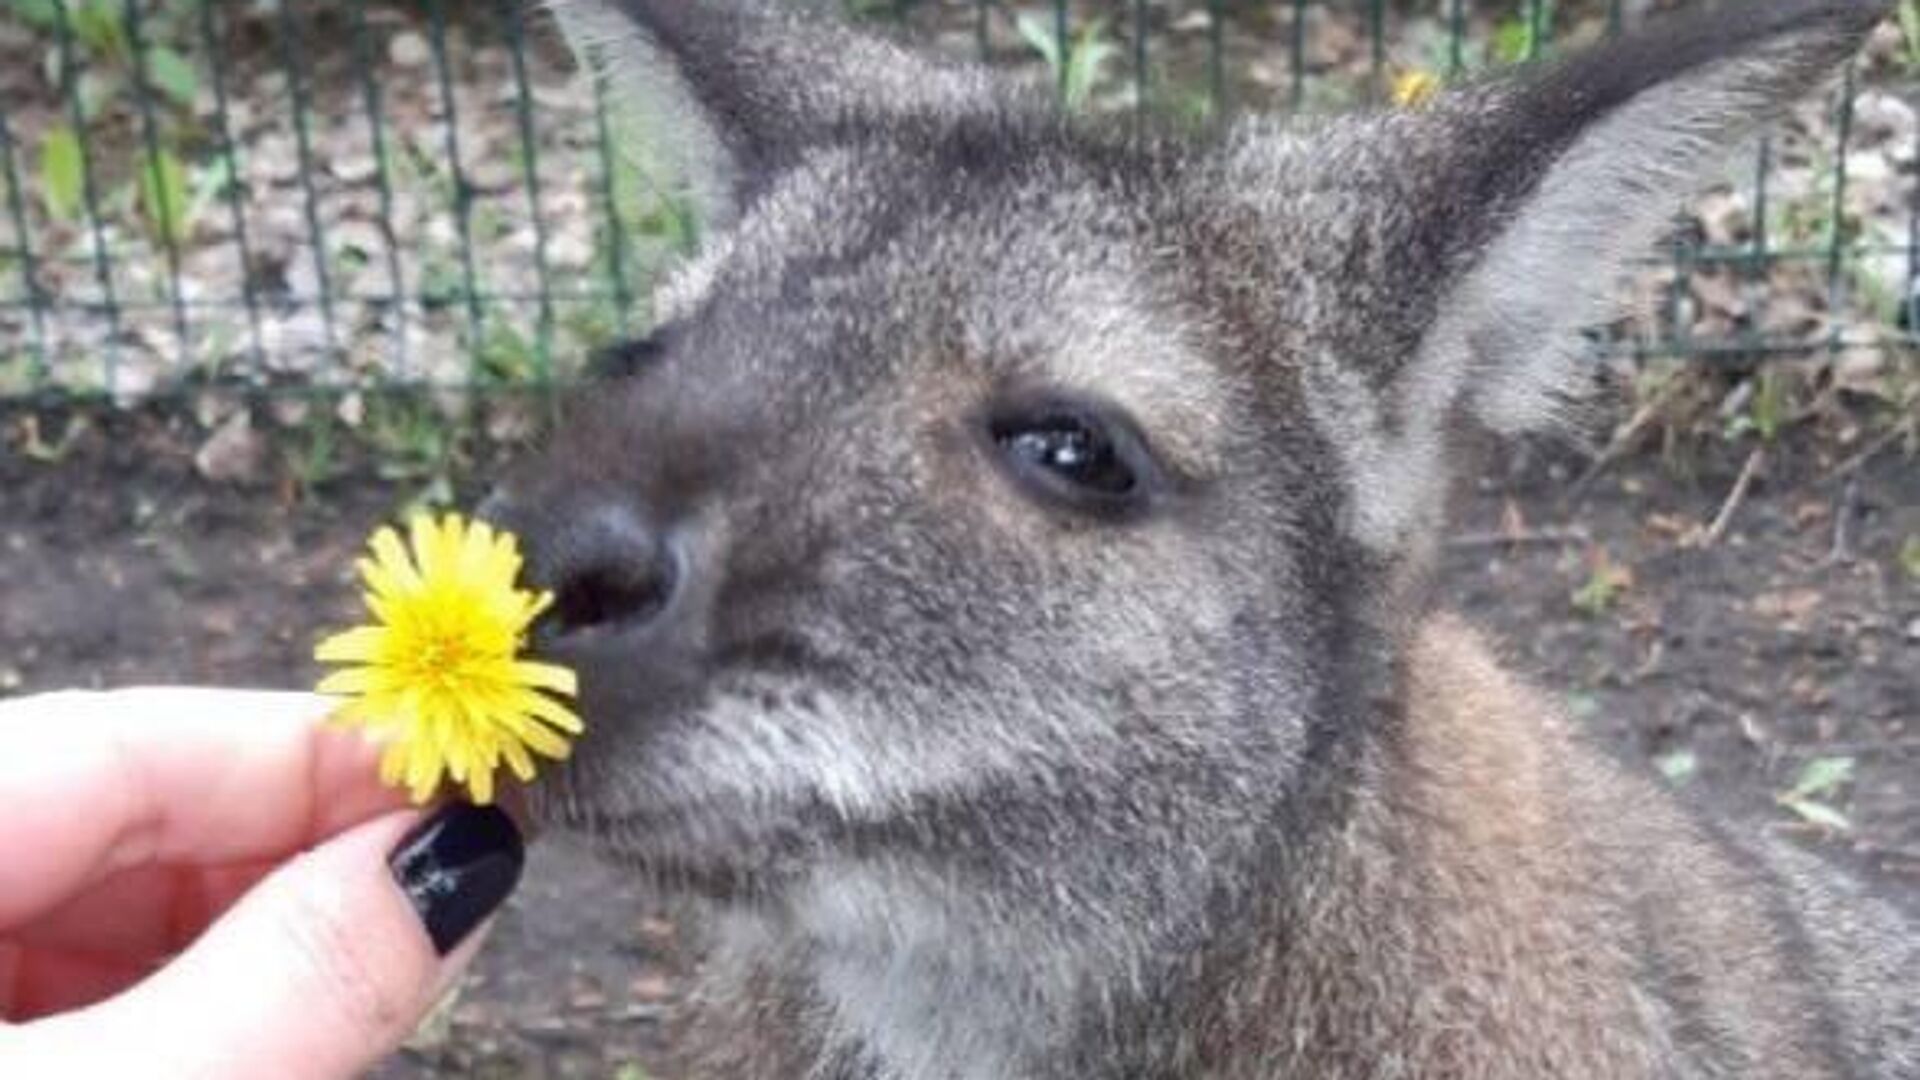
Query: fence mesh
{"type": "Point", "coordinates": [300, 195]}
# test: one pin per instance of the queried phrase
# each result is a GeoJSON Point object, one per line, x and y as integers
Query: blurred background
{"type": "Point", "coordinates": [287, 195]}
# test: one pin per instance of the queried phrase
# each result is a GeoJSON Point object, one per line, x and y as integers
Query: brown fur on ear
{"type": "Point", "coordinates": [1558, 179]}
{"type": "Point", "coordinates": [1505, 213]}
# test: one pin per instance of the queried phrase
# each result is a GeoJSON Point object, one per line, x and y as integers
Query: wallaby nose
{"type": "Point", "coordinates": [606, 565]}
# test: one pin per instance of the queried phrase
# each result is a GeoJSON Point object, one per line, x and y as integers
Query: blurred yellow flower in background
{"type": "Point", "coordinates": [437, 675]}
{"type": "Point", "coordinates": [1414, 87]}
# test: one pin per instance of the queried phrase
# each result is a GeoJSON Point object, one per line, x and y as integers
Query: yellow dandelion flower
{"type": "Point", "coordinates": [437, 676]}
{"type": "Point", "coordinates": [1413, 88]}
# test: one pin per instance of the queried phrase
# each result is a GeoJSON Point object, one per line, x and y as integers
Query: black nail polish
{"type": "Point", "coordinates": [457, 868]}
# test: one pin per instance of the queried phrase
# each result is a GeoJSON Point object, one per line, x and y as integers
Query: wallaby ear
{"type": "Point", "coordinates": [1555, 180]}
{"type": "Point", "coordinates": [1492, 226]}
{"type": "Point", "coordinates": [718, 95]}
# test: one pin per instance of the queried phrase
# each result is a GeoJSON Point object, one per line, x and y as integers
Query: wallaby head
{"type": "Point", "coordinates": [1015, 528]}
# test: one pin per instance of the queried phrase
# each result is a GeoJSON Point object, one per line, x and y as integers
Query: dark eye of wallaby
{"type": "Point", "coordinates": [1071, 456]}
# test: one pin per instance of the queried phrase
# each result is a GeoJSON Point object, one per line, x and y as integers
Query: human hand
{"type": "Point", "coordinates": [208, 884]}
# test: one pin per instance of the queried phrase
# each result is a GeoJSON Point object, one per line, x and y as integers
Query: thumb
{"type": "Point", "coordinates": [320, 971]}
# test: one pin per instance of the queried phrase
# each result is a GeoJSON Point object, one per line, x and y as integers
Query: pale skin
{"type": "Point", "coordinates": [194, 883]}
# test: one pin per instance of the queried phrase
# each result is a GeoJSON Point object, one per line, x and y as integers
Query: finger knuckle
{"type": "Point", "coordinates": [361, 974]}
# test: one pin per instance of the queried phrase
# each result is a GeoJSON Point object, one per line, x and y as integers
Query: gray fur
{"type": "Point", "coordinates": [974, 785]}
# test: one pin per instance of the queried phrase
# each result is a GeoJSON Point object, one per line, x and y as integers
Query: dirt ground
{"type": "Point", "coordinates": [1728, 666]}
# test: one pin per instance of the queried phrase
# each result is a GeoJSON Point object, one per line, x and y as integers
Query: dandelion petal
{"type": "Point", "coordinates": [435, 674]}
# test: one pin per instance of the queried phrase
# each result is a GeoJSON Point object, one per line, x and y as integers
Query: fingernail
{"type": "Point", "coordinates": [457, 867]}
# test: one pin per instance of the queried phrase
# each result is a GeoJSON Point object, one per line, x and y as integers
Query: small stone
{"type": "Point", "coordinates": [1913, 631]}
{"type": "Point", "coordinates": [570, 249]}
{"type": "Point", "coordinates": [1332, 40]}
{"type": "Point", "coordinates": [1726, 216]}
{"type": "Point", "coordinates": [650, 989]}
{"type": "Point", "coordinates": [276, 156]}
{"type": "Point", "coordinates": [303, 275]}
{"type": "Point", "coordinates": [510, 422]}
{"type": "Point", "coordinates": [1870, 169]}
{"type": "Point", "coordinates": [355, 168]}
{"type": "Point", "coordinates": [363, 238]}
{"type": "Point", "coordinates": [491, 171]}
{"type": "Point", "coordinates": [409, 49]}
{"type": "Point", "coordinates": [234, 452]}
{"type": "Point", "coordinates": [1861, 369]}
{"type": "Point", "coordinates": [352, 410]}
{"type": "Point", "coordinates": [1879, 116]}
{"type": "Point", "coordinates": [1887, 42]}
{"type": "Point", "coordinates": [1193, 22]}
{"type": "Point", "coordinates": [136, 379]}
{"type": "Point", "coordinates": [291, 411]}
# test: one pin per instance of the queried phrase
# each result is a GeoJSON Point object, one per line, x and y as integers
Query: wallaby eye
{"type": "Point", "coordinates": [1074, 455]}
{"type": "Point", "coordinates": [1073, 450]}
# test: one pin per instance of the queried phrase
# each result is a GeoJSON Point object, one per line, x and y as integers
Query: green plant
{"type": "Point", "coordinates": [644, 205]}
{"type": "Point", "coordinates": [1077, 64]}
{"type": "Point", "coordinates": [1808, 218]}
{"type": "Point", "coordinates": [1766, 411]}
{"type": "Point", "coordinates": [62, 173]}
{"type": "Point", "coordinates": [651, 226]}
{"type": "Point", "coordinates": [1874, 294]}
{"type": "Point", "coordinates": [165, 199]}
{"type": "Point", "coordinates": [1678, 767]}
{"type": "Point", "coordinates": [314, 458]}
{"type": "Point", "coordinates": [1910, 558]}
{"type": "Point", "coordinates": [508, 356]}
{"type": "Point", "coordinates": [593, 324]}
{"type": "Point", "coordinates": [411, 440]}
{"type": "Point", "coordinates": [171, 74]}
{"type": "Point", "coordinates": [441, 279]}
{"type": "Point", "coordinates": [100, 28]}
{"type": "Point", "coordinates": [36, 446]}
{"type": "Point", "coordinates": [98, 25]}
{"type": "Point", "coordinates": [1811, 795]}
{"type": "Point", "coordinates": [119, 60]}
{"type": "Point", "coordinates": [1606, 582]}
{"type": "Point", "coordinates": [489, 222]}
{"type": "Point", "coordinates": [211, 182]}
{"type": "Point", "coordinates": [1909, 15]}
{"type": "Point", "coordinates": [17, 374]}
{"type": "Point", "coordinates": [1522, 37]}
{"type": "Point", "coordinates": [1511, 41]}
{"type": "Point", "coordinates": [39, 14]}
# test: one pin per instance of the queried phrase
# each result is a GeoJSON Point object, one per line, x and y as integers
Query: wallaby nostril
{"type": "Point", "coordinates": [609, 595]}
{"type": "Point", "coordinates": [605, 567]}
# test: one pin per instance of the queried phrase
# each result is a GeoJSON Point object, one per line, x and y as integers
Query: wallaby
{"type": "Point", "coordinates": [1001, 586]}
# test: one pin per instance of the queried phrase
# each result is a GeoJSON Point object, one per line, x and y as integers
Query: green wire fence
{"type": "Point", "coordinates": [324, 195]}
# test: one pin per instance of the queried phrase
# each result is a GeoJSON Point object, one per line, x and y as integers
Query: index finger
{"type": "Point", "coordinates": [96, 783]}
